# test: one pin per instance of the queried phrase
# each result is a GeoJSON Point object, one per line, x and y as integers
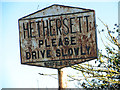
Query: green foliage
{"type": "Point", "coordinates": [105, 73]}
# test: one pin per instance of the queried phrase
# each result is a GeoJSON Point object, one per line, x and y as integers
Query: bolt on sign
{"type": "Point", "coordinates": [58, 36]}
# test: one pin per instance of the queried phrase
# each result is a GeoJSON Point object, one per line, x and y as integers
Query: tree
{"type": "Point", "coordinates": [105, 73]}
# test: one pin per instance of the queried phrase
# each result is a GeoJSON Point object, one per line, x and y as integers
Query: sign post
{"type": "Point", "coordinates": [58, 36]}
{"type": "Point", "coordinates": [60, 80]}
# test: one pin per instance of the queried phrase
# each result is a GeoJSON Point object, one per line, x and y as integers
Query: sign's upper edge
{"type": "Point", "coordinates": [55, 5]}
{"type": "Point", "coordinates": [54, 15]}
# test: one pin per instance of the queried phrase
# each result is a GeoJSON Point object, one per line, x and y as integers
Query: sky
{"type": "Point", "coordinates": [15, 75]}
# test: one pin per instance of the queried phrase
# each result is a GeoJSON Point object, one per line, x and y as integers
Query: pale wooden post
{"type": "Point", "coordinates": [62, 82]}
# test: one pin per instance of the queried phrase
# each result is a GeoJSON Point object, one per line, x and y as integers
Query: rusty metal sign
{"type": "Point", "coordinates": [58, 36]}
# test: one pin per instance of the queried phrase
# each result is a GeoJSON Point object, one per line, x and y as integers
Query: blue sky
{"type": "Point", "coordinates": [15, 75]}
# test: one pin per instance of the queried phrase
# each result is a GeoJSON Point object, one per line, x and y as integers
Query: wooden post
{"type": "Point", "coordinates": [62, 82]}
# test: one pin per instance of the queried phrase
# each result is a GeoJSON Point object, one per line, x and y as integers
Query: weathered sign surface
{"type": "Point", "coordinates": [58, 36]}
